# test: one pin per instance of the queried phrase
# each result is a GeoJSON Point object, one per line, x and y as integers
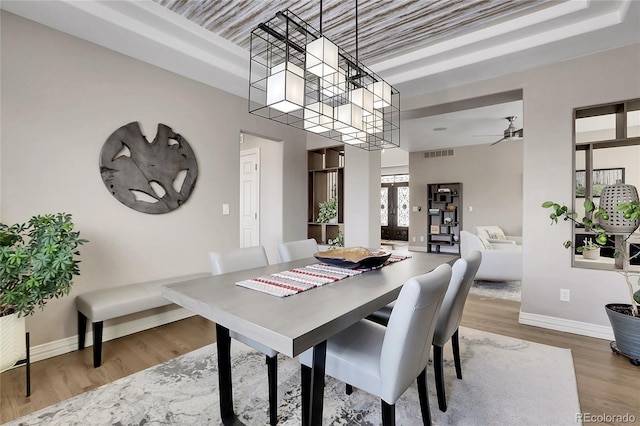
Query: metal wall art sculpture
{"type": "Point", "coordinates": [150, 177]}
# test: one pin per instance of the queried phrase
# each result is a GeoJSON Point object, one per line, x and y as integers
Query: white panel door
{"type": "Point", "coordinates": [249, 198]}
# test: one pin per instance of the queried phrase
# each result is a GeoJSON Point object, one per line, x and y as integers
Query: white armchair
{"type": "Point", "coordinates": [501, 261]}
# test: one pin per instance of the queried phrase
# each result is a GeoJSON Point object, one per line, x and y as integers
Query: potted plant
{"type": "Point", "coordinates": [328, 211]}
{"type": "Point", "coordinates": [624, 317]}
{"type": "Point", "coordinates": [37, 263]}
{"type": "Point", "coordinates": [589, 249]}
{"type": "Point", "coordinates": [336, 242]}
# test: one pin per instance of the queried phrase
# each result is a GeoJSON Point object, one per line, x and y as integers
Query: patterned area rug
{"type": "Point", "coordinates": [509, 290]}
{"type": "Point", "coordinates": [506, 381]}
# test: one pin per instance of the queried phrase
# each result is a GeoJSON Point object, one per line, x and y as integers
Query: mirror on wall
{"type": "Point", "coordinates": [607, 150]}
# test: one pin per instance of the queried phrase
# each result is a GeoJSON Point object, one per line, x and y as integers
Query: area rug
{"type": "Point", "coordinates": [508, 290]}
{"type": "Point", "coordinates": [506, 381]}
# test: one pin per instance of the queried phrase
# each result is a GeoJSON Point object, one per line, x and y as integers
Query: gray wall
{"type": "Point", "coordinates": [61, 98]}
{"type": "Point", "coordinates": [491, 178]}
{"type": "Point", "coordinates": [550, 95]}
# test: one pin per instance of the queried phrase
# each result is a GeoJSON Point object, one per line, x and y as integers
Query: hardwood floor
{"type": "Point", "coordinates": [607, 383]}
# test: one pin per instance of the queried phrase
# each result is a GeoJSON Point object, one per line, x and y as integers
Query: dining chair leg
{"type": "Point", "coordinates": [388, 414]}
{"type": "Point", "coordinates": [305, 392]}
{"type": "Point", "coordinates": [272, 373]}
{"type": "Point", "coordinates": [348, 389]}
{"type": "Point", "coordinates": [456, 354]}
{"type": "Point", "coordinates": [438, 370]}
{"type": "Point", "coordinates": [424, 398]}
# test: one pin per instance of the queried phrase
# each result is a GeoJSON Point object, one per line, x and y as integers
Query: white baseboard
{"type": "Point", "coordinates": [568, 326]}
{"type": "Point", "coordinates": [69, 344]}
{"type": "Point", "coordinates": [418, 248]}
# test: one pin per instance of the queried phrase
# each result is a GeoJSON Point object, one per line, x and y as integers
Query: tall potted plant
{"type": "Point", "coordinates": [624, 317]}
{"type": "Point", "coordinates": [38, 260]}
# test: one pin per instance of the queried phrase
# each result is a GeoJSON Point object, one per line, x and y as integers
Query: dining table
{"type": "Point", "coordinates": [293, 324]}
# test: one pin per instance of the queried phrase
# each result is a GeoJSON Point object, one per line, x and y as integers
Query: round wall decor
{"type": "Point", "coordinates": [150, 177]}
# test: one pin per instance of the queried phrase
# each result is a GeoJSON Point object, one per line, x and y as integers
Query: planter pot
{"type": "Point", "coordinates": [591, 254]}
{"type": "Point", "coordinates": [333, 220]}
{"type": "Point", "coordinates": [626, 329]}
{"type": "Point", "coordinates": [12, 341]}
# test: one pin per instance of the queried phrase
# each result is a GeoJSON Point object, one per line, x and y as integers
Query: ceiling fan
{"type": "Point", "coordinates": [510, 133]}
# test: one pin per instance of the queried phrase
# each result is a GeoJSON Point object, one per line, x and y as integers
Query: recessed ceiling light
{"type": "Point", "coordinates": [439, 129]}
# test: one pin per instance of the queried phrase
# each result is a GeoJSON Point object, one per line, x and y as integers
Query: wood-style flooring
{"type": "Point", "coordinates": [607, 383]}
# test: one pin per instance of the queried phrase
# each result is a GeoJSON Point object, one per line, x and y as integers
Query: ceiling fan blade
{"type": "Point", "coordinates": [498, 141]}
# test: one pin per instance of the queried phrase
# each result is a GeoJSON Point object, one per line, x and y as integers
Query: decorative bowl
{"type": "Point", "coordinates": [352, 257]}
{"type": "Point", "coordinates": [451, 207]}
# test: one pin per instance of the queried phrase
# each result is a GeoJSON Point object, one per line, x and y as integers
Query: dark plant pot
{"type": "Point", "coordinates": [626, 329]}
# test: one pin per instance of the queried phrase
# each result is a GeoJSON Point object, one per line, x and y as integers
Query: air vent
{"type": "Point", "coordinates": [438, 153]}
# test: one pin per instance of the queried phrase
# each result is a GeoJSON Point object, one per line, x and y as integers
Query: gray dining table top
{"type": "Point", "coordinates": [293, 324]}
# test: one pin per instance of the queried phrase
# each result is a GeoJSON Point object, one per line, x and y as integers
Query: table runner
{"type": "Point", "coordinates": [294, 281]}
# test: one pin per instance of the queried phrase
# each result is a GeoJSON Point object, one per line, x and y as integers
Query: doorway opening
{"type": "Point", "coordinates": [261, 196]}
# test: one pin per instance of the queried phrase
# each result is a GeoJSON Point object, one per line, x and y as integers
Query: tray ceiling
{"type": "Point", "coordinates": [386, 28]}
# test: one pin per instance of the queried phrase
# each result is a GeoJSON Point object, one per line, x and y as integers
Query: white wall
{"type": "Point", "coordinates": [550, 95]}
{"type": "Point", "coordinates": [61, 98]}
{"type": "Point", "coordinates": [491, 178]}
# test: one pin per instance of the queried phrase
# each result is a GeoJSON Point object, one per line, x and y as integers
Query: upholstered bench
{"type": "Point", "coordinates": [109, 303]}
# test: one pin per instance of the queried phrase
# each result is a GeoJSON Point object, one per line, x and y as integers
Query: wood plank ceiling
{"type": "Point", "coordinates": [386, 28]}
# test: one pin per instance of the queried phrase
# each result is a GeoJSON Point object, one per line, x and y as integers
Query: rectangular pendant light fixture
{"type": "Point", "coordinates": [318, 117]}
{"type": "Point", "coordinates": [300, 78]}
{"type": "Point", "coordinates": [364, 99]}
{"type": "Point", "coordinates": [381, 94]}
{"type": "Point", "coordinates": [322, 57]}
{"type": "Point", "coordinates": [285, 87]}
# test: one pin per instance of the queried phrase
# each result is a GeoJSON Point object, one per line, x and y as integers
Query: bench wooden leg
{"type": "Point", "coordinates": [82, 329]}
{"type": "Point", "coordinates": [97, 344]}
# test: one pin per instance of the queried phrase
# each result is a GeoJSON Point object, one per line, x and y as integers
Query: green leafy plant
{"type": "Point", "coordinates": [630, 211]}
{"type": "Point", "coordinates": [328, 210]}
{"type": "Point", "coordinates": [37, 262]}
{"type": "Point", "coordinates": [337, 242]}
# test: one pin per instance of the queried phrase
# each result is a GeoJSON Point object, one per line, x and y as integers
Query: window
{"type": "Point", "coordinates": [607, 149]}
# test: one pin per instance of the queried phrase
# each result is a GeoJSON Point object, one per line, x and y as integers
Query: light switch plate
{"type": "Point", "coordinates": [225, 209]}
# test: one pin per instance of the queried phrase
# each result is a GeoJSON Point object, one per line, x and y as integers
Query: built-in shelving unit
{"type": "Point", "coordinates": [445, 217]}
{"type": "Point", "coordinates": [326, 180]}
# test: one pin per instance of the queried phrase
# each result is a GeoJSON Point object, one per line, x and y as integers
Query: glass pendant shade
{"type": "Point", "coordinates": [364, 99]}
{"type": "Point", "coordinates": [381, 94]}
{"type": "Point", "coordinates": [348, 118]}
{"type": "Point", "coordinates": [334, 84]}
{"type": "Point", "coordinates": [322, 57]}
{"type": "Point", "coordinates": [318, 117]}
{"type": "Point", "coordinates": [285, 87]}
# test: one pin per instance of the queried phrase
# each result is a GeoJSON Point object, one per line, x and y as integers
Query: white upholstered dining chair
{"type": "Point", "coordinates": [294, 250]}
{"type": "Point", "coordinates": [384, 361]}
{"type": "Point", "coordinates": [238, 260]}
{"type": "Point", "coordinates": [464, 272]}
